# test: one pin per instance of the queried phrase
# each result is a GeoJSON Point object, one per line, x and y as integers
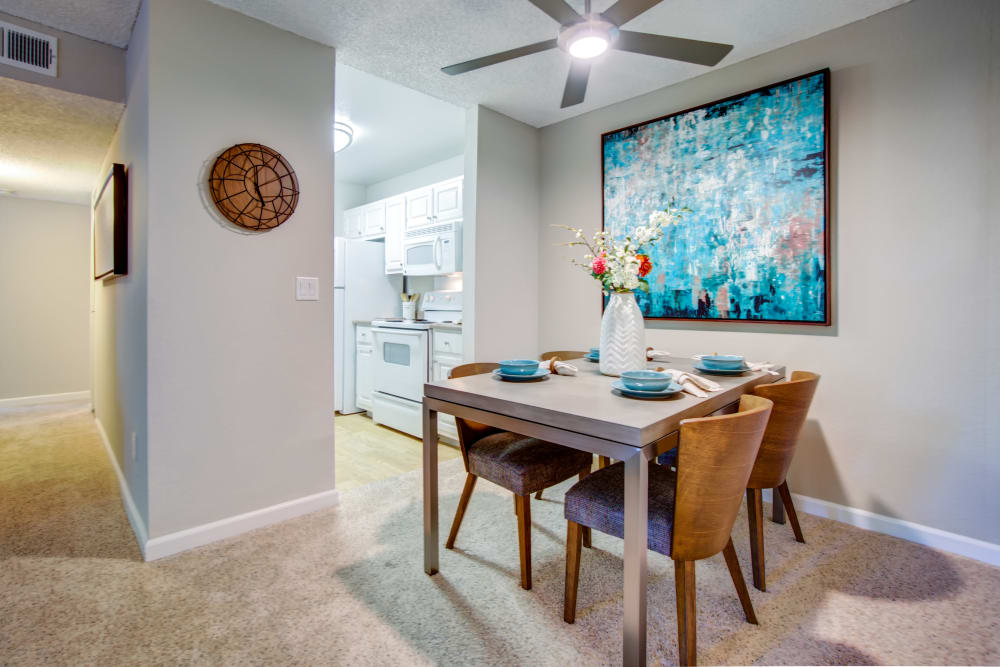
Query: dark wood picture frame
{"type": "Point", "coordinates": [113, 200]}
{"type": "Point", "coordinates": [827, 319]}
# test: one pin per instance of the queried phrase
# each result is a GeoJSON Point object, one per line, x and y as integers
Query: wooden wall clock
{"type": "Point", "coordinates": [253, 186]}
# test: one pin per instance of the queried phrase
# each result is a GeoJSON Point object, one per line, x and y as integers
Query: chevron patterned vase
{"type": "Point", "coordinates": [623, 336]}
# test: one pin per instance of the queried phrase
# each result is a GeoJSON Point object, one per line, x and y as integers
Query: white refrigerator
{"type": "Point", "coordinates": [361, 291]}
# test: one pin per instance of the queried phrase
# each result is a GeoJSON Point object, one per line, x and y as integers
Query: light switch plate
{"type": "Point", "coordinates": [306, 289]}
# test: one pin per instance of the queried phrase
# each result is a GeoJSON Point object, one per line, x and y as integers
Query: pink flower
{"type": "Point", "coordinates": [599, 265]}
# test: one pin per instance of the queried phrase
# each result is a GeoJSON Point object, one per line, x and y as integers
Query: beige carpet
{"type": "Point", "coordinates": [345, 586]}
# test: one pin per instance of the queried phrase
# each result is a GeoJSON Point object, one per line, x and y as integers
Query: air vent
{"type": "Point", "coordinates": [441, 228]}
{"type": "Point", "coordinates": [27, 49]}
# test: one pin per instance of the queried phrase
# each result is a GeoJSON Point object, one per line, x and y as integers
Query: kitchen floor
{"type": "Point", "coordinates": [367, 453]}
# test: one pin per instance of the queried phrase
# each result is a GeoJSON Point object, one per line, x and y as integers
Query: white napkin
{"type": "Point", "coordinates": [558, 367]}
{"type": "Point", "coordinates": [656, 355]}
{"type": "Point", "coordinates": [762, 366]}
{"type": "Point", "coordinates": [694, 384]}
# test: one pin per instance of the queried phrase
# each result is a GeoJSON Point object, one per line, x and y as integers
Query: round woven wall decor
{"type": "Point", "coordinates": [253, 186]}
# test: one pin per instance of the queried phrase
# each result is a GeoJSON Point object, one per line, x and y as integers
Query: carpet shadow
{"type": "Point", "coordinates": [814, 651]}
{"type": "Point", "coordinates": [423, 609]}
{"type": "Point", "coordinates": [905, 571]}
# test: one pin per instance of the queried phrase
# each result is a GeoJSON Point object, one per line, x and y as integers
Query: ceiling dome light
{"type": "Point", "coordinates": [343, 135]}
{"type": "Point", "coordinates": [588, 47]}
{"type": "Point", "coordinates": [588, 39]}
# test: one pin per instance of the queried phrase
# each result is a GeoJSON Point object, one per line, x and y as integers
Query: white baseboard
{"type": "Point", "coordinates": [167, 545]}
{"type": "Point", "coordinates": [980, 550]}
{"type": "Point", "coordinates": [131, 511]}
{"type": "Point", "coordinates": [44, 398]}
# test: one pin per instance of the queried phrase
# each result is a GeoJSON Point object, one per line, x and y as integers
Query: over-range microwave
{"type": "Point", "coordinates": [433, 251]}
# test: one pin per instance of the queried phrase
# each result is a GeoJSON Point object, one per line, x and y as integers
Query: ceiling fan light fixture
{"type": "Point", "coordinates": [589, 38]}
{"type": "Point", "coordinates": [588, 47]}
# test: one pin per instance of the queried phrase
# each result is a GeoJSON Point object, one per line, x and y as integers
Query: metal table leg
{"type": "Point", "coordinates": [430, 491]}
{"type": "Point", "coordinates": [636, 527]}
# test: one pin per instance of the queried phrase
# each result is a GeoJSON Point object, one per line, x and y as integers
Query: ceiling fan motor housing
{"type": "Point", "coordinates": [592, 25]}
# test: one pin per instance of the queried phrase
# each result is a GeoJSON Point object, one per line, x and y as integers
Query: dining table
{"type": "Point", "coordinates": [584, 412]}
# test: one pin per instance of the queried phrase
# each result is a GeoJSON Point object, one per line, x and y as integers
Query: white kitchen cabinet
{"type": "Point", "coordinates": [447, 198]}
{"type": "Point", "coordinates": [423, 207]}
{"type": "Point", "coordinates": [354, 222]}
{"type": "Point", "coordinates": [375, 219]}
{"type": "Point", "coordinates": [446, 346]}
{"type": "Point", "coordinates": [395, 228]}
{"type": "Point", "coordinates": [419, 208]}
{"type": "Point", "coordinates": [364, 373]}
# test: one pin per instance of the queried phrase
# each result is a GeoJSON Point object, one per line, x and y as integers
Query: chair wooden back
{"type": "Point", "coordinates": [714, 460]}
{"type": "Point", "coordinates": [791, 406]}
{"type": "Point", "coordinates": [468, 430]}
{"type": "Point", "coordinates": [561, 355]}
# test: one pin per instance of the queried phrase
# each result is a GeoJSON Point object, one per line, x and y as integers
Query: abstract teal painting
{"type": "Point", "coordinates": [753, 170]}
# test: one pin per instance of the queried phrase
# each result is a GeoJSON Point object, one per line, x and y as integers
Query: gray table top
{"type": "Point", "coordinates": [585, 403]}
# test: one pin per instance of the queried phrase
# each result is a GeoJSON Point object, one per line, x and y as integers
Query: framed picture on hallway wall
{"type": "Point", "coordinates": [754, 171]}
{"type": "Point", "coordinates": [111, 225]}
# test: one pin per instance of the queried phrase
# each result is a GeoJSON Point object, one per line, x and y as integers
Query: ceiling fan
{"type": "Point", "coordinates": [588, 36]}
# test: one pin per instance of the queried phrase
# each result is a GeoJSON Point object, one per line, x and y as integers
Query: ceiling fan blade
{"type": "Point", "coordinates": [624, 11]}
{"type": "Point", "coordinates": [576, 83]}
{"type": "Point", "coordinates": [495, 58]}
{"type": "Point", "coordinates": [558, 10]}
{"type": "Point", "coordinates": [675, 48]}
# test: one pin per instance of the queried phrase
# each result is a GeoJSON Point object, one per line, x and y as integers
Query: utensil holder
{"type": "Point", "coordinates": [409, 310]}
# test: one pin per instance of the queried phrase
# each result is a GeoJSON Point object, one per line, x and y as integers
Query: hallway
{"type": "Point", "coordinates": [58, 492]}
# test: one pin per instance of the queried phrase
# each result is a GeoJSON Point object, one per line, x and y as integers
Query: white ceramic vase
{"type": "Point", "coordinates": [623, 336]}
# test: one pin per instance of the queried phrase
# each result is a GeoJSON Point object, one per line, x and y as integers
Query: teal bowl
{"type": "Point", "coordinates": [646, 380]}
{"type": "Point", "coordinates": [519, 366]}
{"type": "Point", "coordinates": [722, 362]}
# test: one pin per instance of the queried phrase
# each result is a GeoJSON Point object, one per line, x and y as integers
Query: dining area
{"type": "Point", "coordinates": [663, 455]}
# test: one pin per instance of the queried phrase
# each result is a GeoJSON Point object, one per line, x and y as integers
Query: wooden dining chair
{"type": "Point", "coordinates": [691, 510]}
{"type": "Point", "coordinates": [562, 355]}
{"type": "Point", "coordinates": [518, 463]}
{"type": "Point", "coordinates": [791, 405]}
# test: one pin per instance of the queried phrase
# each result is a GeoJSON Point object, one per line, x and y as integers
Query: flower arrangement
{"type": "Point", "coordinates": [619, 265]}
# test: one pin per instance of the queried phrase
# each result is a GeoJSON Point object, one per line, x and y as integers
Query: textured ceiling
{"type": "Point", "coordinates": [108, 21]}
{"type": "Point", "coordinates": [408, 41]}
{"type": "Point", "coordinates": [396, 128]}
{"type": "Point", "coordinates": [52, 142]}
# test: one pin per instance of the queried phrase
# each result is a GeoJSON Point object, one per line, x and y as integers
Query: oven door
{"type": "Point", "coordinates": [401, 362]}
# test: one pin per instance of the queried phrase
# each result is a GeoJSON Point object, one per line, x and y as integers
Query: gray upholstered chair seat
{"type": "Point", "coordinates": [522, 464]}
{"type": "Point", "coordinates": [668, 458]}
{"type": "Point", "coordinates": [598, 501]}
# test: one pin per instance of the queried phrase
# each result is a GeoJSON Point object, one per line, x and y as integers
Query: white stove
{"type": "Point", "coordinates": [439, 307]}
{"type": "Point", "coordinates": [403, 361]}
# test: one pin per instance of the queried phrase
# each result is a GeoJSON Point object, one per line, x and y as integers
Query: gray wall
{"type": "Point", "coordinates": [500, 255]}
{"type": "Point", "coordinates": [904, 423]}
{"type": "Point", "coordinates": [44, 297]}
{"type": "Point", "coordinates": [240, 374]}
{"type": "Point", "coordinates": [118, 339]}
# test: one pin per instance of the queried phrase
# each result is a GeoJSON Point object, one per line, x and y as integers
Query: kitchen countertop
{"type": "Point", "coordinates": [436, 325]}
